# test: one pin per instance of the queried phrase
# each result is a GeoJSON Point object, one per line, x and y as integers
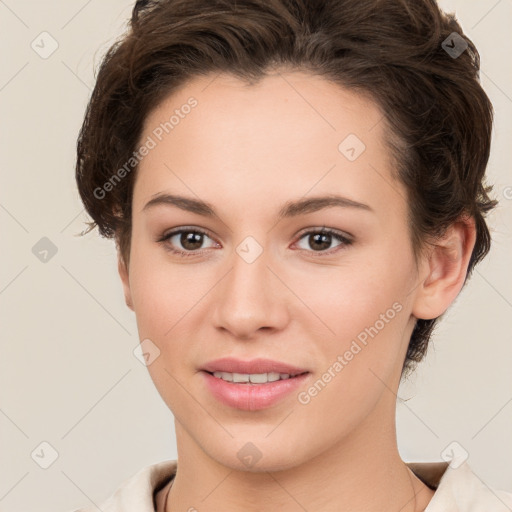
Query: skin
{"type": "Point", "coordinates": [248, 150]}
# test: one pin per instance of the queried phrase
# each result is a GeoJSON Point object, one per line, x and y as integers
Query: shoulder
{"type": "Point", "coordinates": [459, 489]}
{"type": "Point", "coordinates": [136, 493]}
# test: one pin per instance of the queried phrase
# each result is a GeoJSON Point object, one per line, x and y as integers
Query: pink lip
{"type": "Point", "coordinates": [232, 365]}
{"type": "Point", "coordinates": [252, 397]}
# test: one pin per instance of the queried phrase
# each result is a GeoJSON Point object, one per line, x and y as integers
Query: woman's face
{"type": "Point", "coordinates": [256, 280]}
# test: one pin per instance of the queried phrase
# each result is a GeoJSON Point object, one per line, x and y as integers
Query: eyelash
{"type": "Point", "coordinates": [345, 241]}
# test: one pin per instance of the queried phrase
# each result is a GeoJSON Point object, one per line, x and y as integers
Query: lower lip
{"type": "Point", "coordinates": [252, 397]}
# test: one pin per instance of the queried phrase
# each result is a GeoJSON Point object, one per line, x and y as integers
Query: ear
{"type": "Point", "coordinates": [125, 278]}
{"type": "Point", "coordinates": [444, 269]}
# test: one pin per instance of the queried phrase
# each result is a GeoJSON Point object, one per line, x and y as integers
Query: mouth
{"type": "Point", "coordinates": [252, 385]}
{"type": "Point", "coordinates": [253, 378]}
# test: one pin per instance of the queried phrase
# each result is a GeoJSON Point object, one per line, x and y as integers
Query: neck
{"type": "Point", "coordinates": [362, 471]}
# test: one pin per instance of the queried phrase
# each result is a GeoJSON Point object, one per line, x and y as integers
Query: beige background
{"type": "Point", "coordinates": [68, 376]}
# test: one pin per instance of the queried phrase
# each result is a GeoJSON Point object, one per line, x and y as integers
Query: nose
{"type": "Point", "coordinates": [250, 298]}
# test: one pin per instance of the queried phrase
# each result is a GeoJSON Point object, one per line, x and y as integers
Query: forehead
{"type": "Point", "coordinates": [291, 131]}
{"type": "Point", "coordinates": [295, 98]}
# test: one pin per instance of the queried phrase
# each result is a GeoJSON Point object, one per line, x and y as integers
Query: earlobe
{"type": "Point", "coordinates": [125, 279]}
{"type": "Point", "coordinates": [446, 267]}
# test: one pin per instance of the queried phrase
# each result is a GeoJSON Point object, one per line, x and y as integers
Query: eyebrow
{"type": "Point", "coordinates": [290, 208]}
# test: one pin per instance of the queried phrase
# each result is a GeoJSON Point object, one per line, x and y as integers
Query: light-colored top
{"type": "Point", "coordinates": [457, 489]}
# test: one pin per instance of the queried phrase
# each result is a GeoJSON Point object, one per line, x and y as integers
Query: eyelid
{"type": "Point", "coordinates": [180, 229]}
{"type": "Point", "coordinates": [324, 229]}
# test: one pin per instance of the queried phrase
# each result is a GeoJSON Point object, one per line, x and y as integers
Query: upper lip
{"type": "Point", "coordinates": [260, 365]}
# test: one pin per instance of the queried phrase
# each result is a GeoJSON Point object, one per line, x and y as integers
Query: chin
{"type": "Point", "coordinates": [257, 455]}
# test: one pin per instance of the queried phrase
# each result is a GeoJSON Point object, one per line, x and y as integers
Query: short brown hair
{"type": "Point", "coordinates": [395, 51]}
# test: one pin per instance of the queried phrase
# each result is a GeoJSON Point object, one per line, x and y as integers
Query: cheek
{"type": "Point", "coordinates": [162, 292]}
{"type": "Point", "coordinates": [368, 313]}
{"type": "Point", "coordinates": [364, 309]}
{"type": "Point", "coordinates": [352, 296]}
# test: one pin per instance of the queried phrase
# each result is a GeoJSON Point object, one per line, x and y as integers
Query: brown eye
{"type": "Point", "coordinates": [185, 242]}
{"type": "Point", "coordinates": [321, 240]}
{"type": "Point", "coordinates": [191, 240]}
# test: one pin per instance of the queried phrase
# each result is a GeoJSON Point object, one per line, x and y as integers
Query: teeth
{"type": "Point", "coordinates": [254, 378]}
